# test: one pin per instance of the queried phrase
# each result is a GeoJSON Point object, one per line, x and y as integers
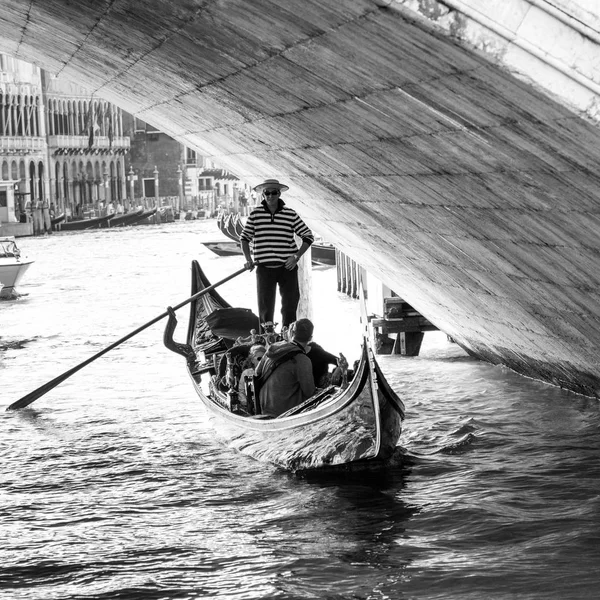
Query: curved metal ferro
{"type": "Point", "coordinates": [184, 349]}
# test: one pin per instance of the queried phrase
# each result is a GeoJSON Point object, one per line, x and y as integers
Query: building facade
{"type": "Point", "coordinates": [77, 154]}
{"type": "Point", "coordinates": [164, 172]}
{"type": "Point", "coordinates": [59, 147]}
{"type": "Point", "coordinates": [86, 149]}
{"type": "Point", "coordinates": [23, 150]}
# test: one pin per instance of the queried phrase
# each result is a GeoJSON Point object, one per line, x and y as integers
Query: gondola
{"type": "Point", "coordinates": [82, 224]}
{"type": "Point", "coordinates": [355, 427]}
{"type": "Point", "coordinates": [228, 248]}
{"type": "Point", "coordinates": [126, 219]}
{"type": "Point", "coordinates": [149, 217]}
{"type": "Point", "coordinates": [238, 225]}
{"type": "Point", "coordinates": [55, 222]}
{"type": "Point", "coordinates": [226, 225]}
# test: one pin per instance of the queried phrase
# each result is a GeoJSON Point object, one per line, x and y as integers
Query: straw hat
{"type": "Point", "coordinates": [271, 184]}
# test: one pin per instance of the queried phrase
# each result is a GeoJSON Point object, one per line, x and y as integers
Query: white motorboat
{"type": "Point", "coordinates": [13, 266]}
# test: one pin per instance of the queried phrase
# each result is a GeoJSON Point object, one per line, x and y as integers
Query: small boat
{"type": "Point", "coordinates": [322, 253]}
{"type": "Point", "coordinates": [56, 221]}
{"type": "Point", "coordinates": [229, 248]}
{"type": "Point", "coordinates": [151, 217]}
{"type": "Point", "coordinates": [83, 224]}
{"type": "Point", "coordinates": [12, 267]}
{"type": "Point", "coordinates": [238, 225]}
{"type": "Point", "coordinates": [126, 219]}
{"type": "Point", "coordinates": [353, 427]}
{"type": "Point", "coordinates": [227, 226]}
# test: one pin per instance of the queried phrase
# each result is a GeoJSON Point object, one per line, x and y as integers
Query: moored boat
{"type": "Point", "coordinates": [125, 219]}
{"type": "Point", "coordinates": [353, 427]}
{"type": "Point", "coordinates": [322, 253]}
{"type": "Point", "coordinates": [151, 217]}
{"type": "Point", "coordinates": [237, 224]}
{"type": "Point", "coordinates": [228, 248]}
{"type": "Point", "coordinates": [12, 267]}
{"type": "Point", "coordinates": [56, 222]}
{"type": "Point", "coordinates": [226, 225]}
{"type": "Point", "coordinates": [83, 224]}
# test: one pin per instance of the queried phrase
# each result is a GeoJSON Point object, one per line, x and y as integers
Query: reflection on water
{"type": "Point", "coordinates": [114, 485]}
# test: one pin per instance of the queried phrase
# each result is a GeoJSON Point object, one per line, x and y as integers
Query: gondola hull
{"type": "Point", "coordinates": [56, 222]}
{"type": "Point", "coordinates": [127, 219]}
{"type": "Point", "coordinates": [342, 431]}
{"type": "Point", "coordinates": [230, 226]}
{"type": "Point", "coordinates": [83, 224]}
{"type": "Point", "coordinates": [359, 425]}
{"type": "Point", "coordinates": [224, 248]}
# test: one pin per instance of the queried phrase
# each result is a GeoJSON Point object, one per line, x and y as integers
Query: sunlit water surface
{"type": "Point", "coordinates": [114, 486]}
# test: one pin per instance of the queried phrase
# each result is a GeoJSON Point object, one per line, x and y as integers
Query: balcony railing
{"type": "Point", "coordinates": [21, 144]}
{"type": "Point", "coordinates": [82, 141]}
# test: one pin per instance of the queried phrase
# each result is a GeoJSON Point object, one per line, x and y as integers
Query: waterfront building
{"type": "Point", "coordinates": [81, 155]}
{"type": "Point", "coordinates": [86, 149]}
{"type": "Point", "coordinates": [164, 172]}
{"type": "Point", "coordinates": [60, 148]}
{"type": "Point", "coordinates": [22, 143]}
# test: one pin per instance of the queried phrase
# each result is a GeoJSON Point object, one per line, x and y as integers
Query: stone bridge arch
{"type": "Point", "coordinates": [470, 191]}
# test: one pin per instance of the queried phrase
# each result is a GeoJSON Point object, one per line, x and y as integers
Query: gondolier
{"type": "Point", "coordinates": [270, 228]}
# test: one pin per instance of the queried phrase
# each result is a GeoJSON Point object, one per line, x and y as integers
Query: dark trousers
{"type": "Point", "coordinates": [267, 281]}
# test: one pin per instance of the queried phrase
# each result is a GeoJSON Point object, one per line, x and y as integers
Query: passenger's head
{"type": "Point", "coordinates": [301, 331]}
{"type": "Point", "coordinates": [256, 353]}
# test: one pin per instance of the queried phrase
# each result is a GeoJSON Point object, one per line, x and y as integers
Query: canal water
{"type": "Point", "coordinates": [114, 486]}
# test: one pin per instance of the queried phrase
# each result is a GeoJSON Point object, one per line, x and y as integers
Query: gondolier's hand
{"type": "Point", "coordinates": [291, 262]}
{"type": "Point", "coordinates": [249, 264]}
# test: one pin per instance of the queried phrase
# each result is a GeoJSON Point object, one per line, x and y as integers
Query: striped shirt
{"type": "Point", "coordinates": [272, 234]}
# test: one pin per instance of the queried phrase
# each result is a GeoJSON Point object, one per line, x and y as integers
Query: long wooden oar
{"type": "Point", "coordinates": [39, 392]}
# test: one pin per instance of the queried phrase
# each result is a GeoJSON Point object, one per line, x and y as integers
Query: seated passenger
{"type": "Point", "coordinates": [254, 355]}
{"type": "Point", "coordinates": [320, 360]}
{"type": "Point", "coordinates": [284, 375]}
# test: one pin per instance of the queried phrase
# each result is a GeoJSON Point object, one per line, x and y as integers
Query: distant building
{"type": "Point", "coordinates": [23, 150]}
{"type": "Point", "coordinates": [58, 144]}
{"type": "Point", "coordinates": [78, 153]}
{"type": "Point", "coordinates": [86, 149]}
{"type": "Point", "coordinates": [165, 172]}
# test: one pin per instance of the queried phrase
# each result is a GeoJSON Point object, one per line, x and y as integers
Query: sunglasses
{"type": "Point", "coordinates": [272, 193]}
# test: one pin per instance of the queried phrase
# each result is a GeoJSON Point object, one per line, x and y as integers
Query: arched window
{"type": "Point", "coordinates": [4, 170]}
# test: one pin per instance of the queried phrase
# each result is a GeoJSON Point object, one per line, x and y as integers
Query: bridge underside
{"type": "Point", "coordinates": [467, 191]}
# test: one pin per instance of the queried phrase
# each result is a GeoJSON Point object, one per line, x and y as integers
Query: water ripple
{"type": "Point", "coordinates": [113, 485]}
